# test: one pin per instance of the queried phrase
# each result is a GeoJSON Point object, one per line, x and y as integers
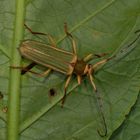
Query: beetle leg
{"type": "Point", "coordinates": [28, 69]}
{"type": "Point", "coordinates": [25, 69]}
{"type": "Point", "coordinates": [91, 78]}
{"type": "Point", "coordinates": [49, 37]}
{"type": "Point", "coordinates": [71, 38]}
{"type": "Point", "coordinates": [65, 89]}
{"type": "Point", "coordinates": [44, 74]}
{"type": "Point", "coordinates": [79, 79]}
{"type": "Point", "coordinates": [91, 56]}
{"type": "Point", "coordinates": [33, 32]}
{"type": "Point", "coordinates": [52, 42]}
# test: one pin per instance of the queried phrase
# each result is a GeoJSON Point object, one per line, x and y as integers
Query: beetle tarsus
{"type": "Point", "coordinates": [27, 68]}
{"type": "Point", "coordinates": [63, 99]}
{"type": "Point", "coordinates": [32, 32]}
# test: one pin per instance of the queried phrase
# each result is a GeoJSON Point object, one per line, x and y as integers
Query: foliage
{"type": "Point", "coordinates": [98, 27]}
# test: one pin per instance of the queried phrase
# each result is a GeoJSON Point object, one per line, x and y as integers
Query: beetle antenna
{"type": "Point", "coordinates": [136, 32]}
{"type": "Point", "coordinates": [99, 101]}
{"type": "Point", "coordinates": [105, 126]}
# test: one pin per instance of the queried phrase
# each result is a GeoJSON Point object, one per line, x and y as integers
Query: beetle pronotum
{"type": "Point", "coordinates": [62, 61]}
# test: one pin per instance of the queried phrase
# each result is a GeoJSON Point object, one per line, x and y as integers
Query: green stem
{"type": "Point", "coordinates": [14, 84]}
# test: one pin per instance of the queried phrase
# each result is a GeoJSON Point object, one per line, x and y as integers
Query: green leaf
{"type": "Point", "coordinates": [98, 27]}
{"type": "Point", "coordinates": [130, 128]}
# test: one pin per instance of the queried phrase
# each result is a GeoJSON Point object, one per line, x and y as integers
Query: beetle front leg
{"type": "Point", "coordinates": [79, 79]}
{"type": "Point", "coordinates": [66, 85]}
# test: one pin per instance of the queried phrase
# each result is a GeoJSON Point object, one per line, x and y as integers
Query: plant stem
{"type": "Point", "coordinates": [14, 84]}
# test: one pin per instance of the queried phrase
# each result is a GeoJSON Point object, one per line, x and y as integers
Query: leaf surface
{"type": "Point", "coordinates": [98, 27]}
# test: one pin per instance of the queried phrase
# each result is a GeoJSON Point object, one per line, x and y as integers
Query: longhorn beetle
{"type": "Point", "coordinates": [62, 61]}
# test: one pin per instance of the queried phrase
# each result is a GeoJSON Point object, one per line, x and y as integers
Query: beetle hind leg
{"type": "Point", "coordinates": [25, 69]}
{"type": "Point", "coordinates": [49, 37]}
{"type": "Point", "coordinates": [71, 38]}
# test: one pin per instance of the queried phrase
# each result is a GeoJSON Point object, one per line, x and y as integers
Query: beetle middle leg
{"type": "Point", "coordinates": [65, 89]}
